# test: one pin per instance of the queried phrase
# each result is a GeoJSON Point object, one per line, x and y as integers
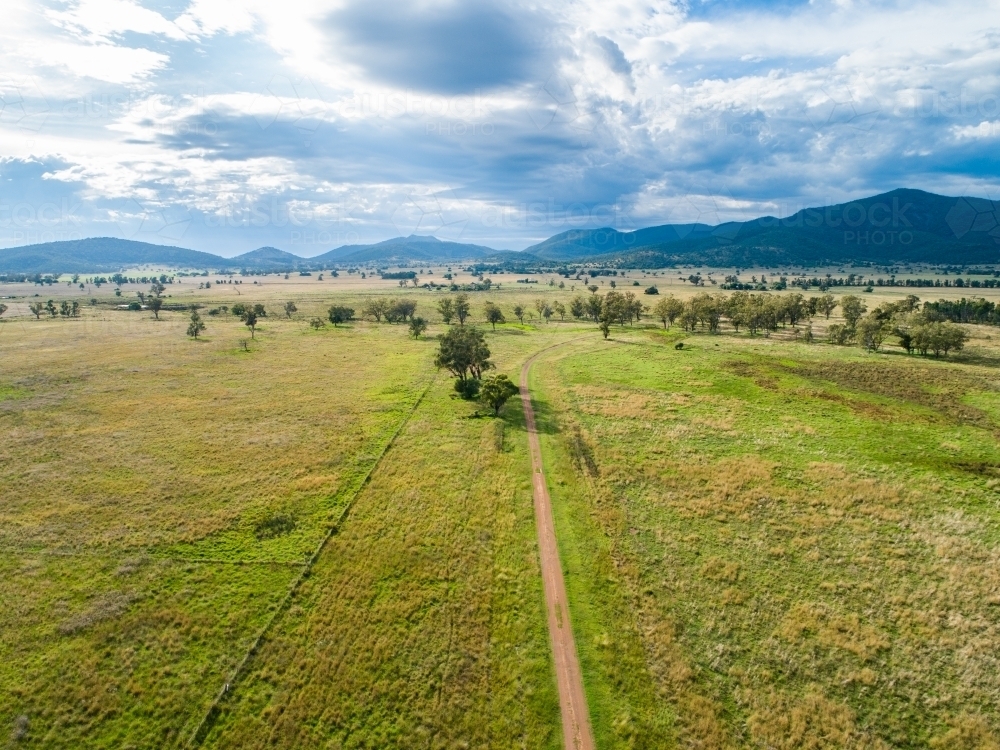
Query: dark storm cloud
{"type": "Point", "coordinates": [446, 47]}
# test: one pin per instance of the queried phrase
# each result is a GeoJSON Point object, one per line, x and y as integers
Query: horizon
{"type": "Point", "coordinates": [496, 249]}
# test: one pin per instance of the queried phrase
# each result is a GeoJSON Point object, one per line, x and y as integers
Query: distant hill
{"type": "Point", "coordinates": [108, 254]}
{"type": "Point", "coordinates": [269, 259]}
{"type": "Point", "coordinates": [98, 254]}
{"type": "Point", "coordinates": [583, 243]}
{"type": "Point", "coordinates": [404, 250]}
{"type": "Point", "coordinates": [901, 226]}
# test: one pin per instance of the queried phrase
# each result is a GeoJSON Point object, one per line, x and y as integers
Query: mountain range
{"type": "Point", "coordinates": [901, 226]}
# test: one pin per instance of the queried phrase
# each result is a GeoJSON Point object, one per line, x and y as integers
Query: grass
{"type": "Point", "coordinates": [422, 624]}
{"type": "Point", "coordinates": [160, 497]}
{"type": "Point", "coordinates": [802, 540]}
{"type": "Point", "coordinates": [766, 543]}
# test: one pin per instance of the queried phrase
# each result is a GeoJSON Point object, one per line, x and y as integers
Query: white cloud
{"type": "Point", "coordinates": [98, 20]}
{"type": "Point", "coordinates": [984, 129]}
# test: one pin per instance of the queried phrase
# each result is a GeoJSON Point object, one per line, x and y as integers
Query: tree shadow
{"type": "Point", "coordinates": [546, 417]}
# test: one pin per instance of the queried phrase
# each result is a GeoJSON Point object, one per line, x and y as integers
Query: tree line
{"type": "Point", "coordinates": [926, 330]}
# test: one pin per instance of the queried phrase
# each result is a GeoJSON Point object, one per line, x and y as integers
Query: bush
{"type": "Point", "coordinates": [339, 314]}
{"type": "Point", "coordinates": [467, 389]}
{"type": "Point", "coordinates": [839, 334]}
{"type": "Point", "coordinates": [651, 290]}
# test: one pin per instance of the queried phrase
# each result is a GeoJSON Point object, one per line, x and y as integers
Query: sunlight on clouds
{"type": "Point", "coordinates": [97, 20]}
{"type": "Point", "coordinates": [207, 17]}
{"type": "Point", "coordinates": [105, 62]}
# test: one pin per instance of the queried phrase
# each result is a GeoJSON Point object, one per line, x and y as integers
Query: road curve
{"type": "Point", "coordinates": [572, 699]}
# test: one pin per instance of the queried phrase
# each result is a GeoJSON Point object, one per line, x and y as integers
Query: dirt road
{"type": "Point", "coordinates": [572, 699]}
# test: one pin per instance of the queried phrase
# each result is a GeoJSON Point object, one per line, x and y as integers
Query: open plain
{"type": "Point", "coordinates": [302, 538]}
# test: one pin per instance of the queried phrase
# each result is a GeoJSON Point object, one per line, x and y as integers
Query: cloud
{"type": "Point", "coordinates": [446, 47]}
{"type": "Point", "coordinates": [98, 20]}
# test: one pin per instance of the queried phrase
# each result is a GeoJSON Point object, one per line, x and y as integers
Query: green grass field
{"type": "Point", "coordinates": [779, 545]}
{"type": "Point", "coordinates": [767, 543]}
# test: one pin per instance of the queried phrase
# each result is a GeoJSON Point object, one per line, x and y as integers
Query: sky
{"type": "Point", "coordinates": [227, 125]}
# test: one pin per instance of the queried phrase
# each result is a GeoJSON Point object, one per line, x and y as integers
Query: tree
{"type": "Point", "coordinates": [401, 310]}
{"type": "Point", "coordinates": [576, 307]}
{"type": "Point", "coordinates": [594, 305]}
{"type": "Point", "coordinates": [3, 309]}
{"type": "Point", "coordinates": [249, 318]}
{"type": "Point", "coordinates": [939, 337]}
{"type": "Point", "coordinates": [446, 308]}
{"type": "Point", "coordinates": [794, 308]}
{"type": "Point", "coordinates": [156, 304]}
{"type": "Point", "coordinates": [462, 308]}
{"type": "Point", "coordinates": [852, 308]}
{"type": "Point", "coordinates": [290, 308]}
{"type": "Point", "coordinates": [51, 307]}
{"type": "Point", "coordinates": [417, 326]}
{"type": "Point", "coordinates": [872, 330]}
{"type": "Point", "coordinates": [605, 328]}
{"type": "Point", "coordinates": [667, 310]}
{"type": "Point", "coordinates": [546, 312]}
{"type": "Point", "coordinates": [196, 326]}
{"type": "Point", "coordinates": [375, 308]}
{"type": "Point", "coordinates": [317, 323]}
{"type": "Point", "coordinates": [560, 309]}
{"type": "Point", "coordinates": [37, 308]}
{"type": "Point", "coordinates": [953, 337]}
{"type": "Point", "coordinates": [64, 308]}
{"type": "Point", "coordinates": [493, 314]}
{"type": "Point", "coordinates": [464, 353]}
{"type": "Point", "coordinates": [339, 314]}
{"type": "Point", "coordinates": [495, 392]}
{"type": "Point", "coordinates": [519, 313]}
{"type": "Point", "coordinates": [826, 304]}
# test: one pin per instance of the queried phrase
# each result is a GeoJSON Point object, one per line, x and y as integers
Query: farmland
{"type": "Point", "coordinates": [308, 541]}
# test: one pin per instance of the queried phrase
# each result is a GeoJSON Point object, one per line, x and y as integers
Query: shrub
{"type": "Point", "coordinates": [339, 314]}
{"type": "Point", "coordinates": [467, 389]}
{"type": "Point", "coordinates": [839, 334]}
